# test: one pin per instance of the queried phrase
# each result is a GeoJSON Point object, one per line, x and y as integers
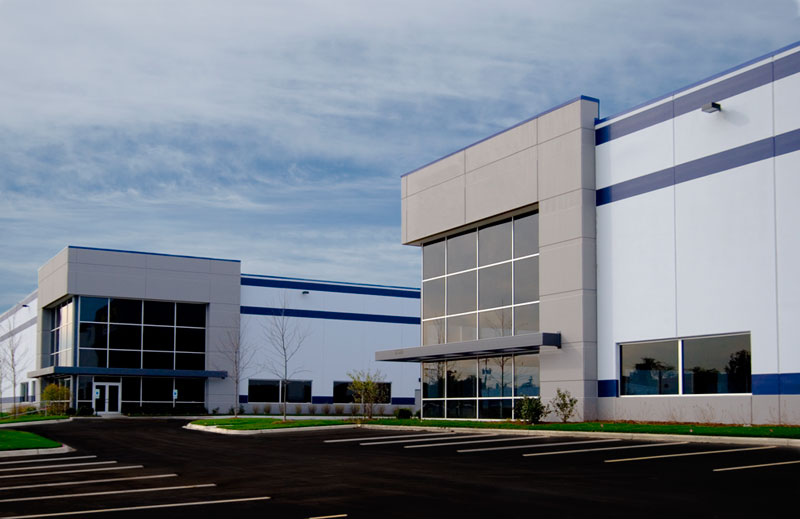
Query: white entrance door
{"type": "Point", "coordinates": [107, 397]}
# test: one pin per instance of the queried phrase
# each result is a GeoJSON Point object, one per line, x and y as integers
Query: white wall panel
{"type": "Point", "coordinates": [787, 184]}
{"type": "Point", "coordinates": [634, 155]}
{"type": "Point", "coordinates": [744, 118]}
{"type": "Point", "coordinates": [787, 104]}
{"type": "Point", "coordinates": [635, 274]}
{"type": "Point", "coordinates": [726, 258]}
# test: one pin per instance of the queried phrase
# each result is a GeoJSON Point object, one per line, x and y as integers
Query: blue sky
{"type": "Point", "coordinates": [276, 132]}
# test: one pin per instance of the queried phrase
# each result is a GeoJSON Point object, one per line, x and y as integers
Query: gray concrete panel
{"type": "Point", "coordinates": [573, 314]}
{"type": "Point", "coordinates": [566, 217]}
{"type": "Point", "coordinates": [119, 282]}
{"type": "Point", "coordinates": [230, 268]}
{"type": "Point", "coordinates": [403, 187]}
{"type": "Point", "coordinates": [54, 263]}
{"type": "Point", "coordinates": [435, 209]}
{"type": "Point", "coordinates": [576, 361]}
{"type": "Point", "coordinates": [54, 286]}
{"type": "Point", "coordinates": [436, 173]}
{"type": "Point", "coordinates": [580, 114]}
{"type": "Point", "coordinates": [500, 146]}
{"type": "Point", "coordinates": [731, 409]}
{"type": "Point", "coordinates": [225, 289]}
{"type": "Point", "coordinates": [566, 164]}
{"type": "Point", "coordinates": [502, 186]}
{"type": "Point", "coordinates": [790, 409]}
{"type": "Point", "coordinates": [111, 258]}
{"type": "Point", "coordinates": [177, 286]}
{"type": "Point", "coordinates": [223, 315]}
{"type": "Point", "coordinates": [404, 220]}
{"type": "Point", "coordinates": [177, 263]}
{"type": "Point", "coordinates": [567, 266]}
{"type": "Point", "coordinates": [766, 409]}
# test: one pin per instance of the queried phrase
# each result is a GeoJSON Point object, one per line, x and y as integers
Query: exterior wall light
{"type": "Point", "coordinates": [711, 107]}
{"type": "Point", "coordinates": [305, 292]}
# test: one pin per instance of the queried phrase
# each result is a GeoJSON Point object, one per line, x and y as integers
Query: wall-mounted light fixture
{"type": "Point", "coordinates": [711, 107]}
{"type": "Point", "coordinates": [305, 292]}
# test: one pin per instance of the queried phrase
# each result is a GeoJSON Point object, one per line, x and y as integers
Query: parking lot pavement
{"type": "Point", "coordinates": [376, 473]}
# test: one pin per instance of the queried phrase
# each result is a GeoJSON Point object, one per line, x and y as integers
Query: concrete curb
{"type": "Point", "coordinates": [35, 452]}
{"type": "Point", "coordinates": [780, 442]}
{"type": "Point", "coordinates": [34, 422]}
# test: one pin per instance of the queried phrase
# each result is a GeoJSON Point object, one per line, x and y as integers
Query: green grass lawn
{"type": "Point", "coordinates": [7, 418]}
{"type": "Point", "coordinates": [764, 431]}
{"type": "Point", "coordinates": [11, 439]}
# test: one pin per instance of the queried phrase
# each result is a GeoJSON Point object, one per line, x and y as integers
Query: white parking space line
{"type": "Point", "coordinates": [70, 458]}
{"type": "Point", "coordinates": [758, 466]}
{"type": "Point", "coordinates": [37, 467]}
{"type": "Point", "coordinates": [691, 454]}
{"type": "Point", "coordinates": [514, 439]}
{"type": "Point", "coordinates": [427, 435]}
{"type": "Point", "coordinates": [429, 439]}
{"type": "Point", "coordinates": [89, 482]}
{"type": "Point", "coordinates": [607, 449]}
{"type": "Point", "coordinates": [142, 507]}
{"type": "Point", "coordinates": [327, 516]}
{"type": "Point", "coordinates": [537, 445]}
{"type": "Point", "coordinates": [70, 471]}
{"type": "Point", "coordinates": [106, 493]}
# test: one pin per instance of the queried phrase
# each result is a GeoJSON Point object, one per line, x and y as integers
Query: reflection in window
{"type": "Point", "coordinates": [126, 311]}
{"type": "Point", "coordinates": [494, 286]}
{"type": "Point", "coordinates": [433, 259]}
{"type": "Point", "coordinates": [649, 368]}
{"type": "Point", "coordinates": [494, 376]}
{"type": "Point", "coordinates": [526, 280]}
{"type": "Point", "coordinates": [495, 323]}
{"type": "Point", "coordinates": [461, 378]}
{"type": "Point", "coordinates": [494, 243]}
{"type": "Point", "coordinates": [461, 409]}
{"type": "Point", "coordinates": [461, 252]}
{"type": "Point", "coordinates": [526, 375]}
{"type": "Point", "coordinates": [433, 332]}
{"type": "Point", "coordinates": [526, 319]}
{"type": "Point", "coordinates": [433, 380]}
{"type": "Point", "coordinates": [433, 298]}
{"type": "Point", "coordinates": [461, 328]}
{"type": "Point", "coordinates": [263, 390]}
{"type": "Point", "coordinates": [526, 235]}
{"type": "Point", "coordinates": [716, 365]}
{"type": "Point", "coordinates": [461, 293]}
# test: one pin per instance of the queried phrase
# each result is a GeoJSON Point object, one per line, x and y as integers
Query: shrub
{"type": "Point", "coordinates": [256, 409]}
{"type": "Point", "coordinates": [379, 409]}
{"type": "Point", "coordinates": [531, 410]}
{"type": "Point", "coordinates": [402, 413]}
{"type": "Point", "coordinates": [215, 410]}
{"type": "Point", "coordinates": [312, 409]}
{"type": "Point", "coordinates": [338, 409]}
{"type": "Point", "coordinates": [563, 404]}
{"type": "Point", "coordinates": [298, 409]}
{"type": "Point", "coordinates": [71, 411]}
{"type": "Point", "coordinates": [56, 398]}
{"type": "Point", "coordinates": [85, 410]}
{"type": "Point", "coordinates": [326, 409]}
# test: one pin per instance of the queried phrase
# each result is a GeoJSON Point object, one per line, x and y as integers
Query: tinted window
{"type": "Point", "coordinates": [649, 368]}
{"type": "Point", "coordinates": [190, 339]}
{"type": "Point", "coordinates": [461, 252]}
{"type": "Point", "coordinates": [191, 389]}
{"type": "Point", "coordinates": [462, 328]}
{"type": "Point", "coordinates": [433, 259]}
{"type": "Point", "coordinates": [526, 319]}
{"type": "Point", "coordinates": [461, 293]}
{"type": "Point", "coordinates": [526, 375]}
{"type": "Point", "coordinates": [716, 365]}
{"type": "Point", "coordinates": [526, 235]}
{"type": "Point", "coordinates": [494, 243]}
{"type": "Point", "coordinates": [298, 391]}
{"type": "Point", "coordinates": [526, 280]}
{"type": "Point", "coordinates": [433, 332]}
{"type": "Point", "coordinates": [157, 312]}
{"type": "Point", "coordinates": [153, 360]}
{"type": "Point", "coordinates": [93, 335]}
{"type": "Point", "coordinates": [494, 376]}
{"type": "Point", "coordinates": [495, 409]}
{"type": "Point", "coordinates": [157, 389]}
{"type": "Point", "coordinates": [126, 311]}
{"type": "Point", "coordinates": [131, 387]}
{"type": "Point", "coordinates": [263, 390]}
{"type": "Point", "coordinates": [94, 309]}
{"type": "Point", "coordinates": [125, 359]}
{"type": "Point", "coordinates": [461, 378]}
{"type": "Point", "coordinates": [158, 338]}
{"type": "Point", "coordinates": [433, 409]}
{"type": "Point", "coordinates": [433, 380]}
{"type": "Point", "coordinates": [194, 361]}
{"type": "Point", "coordinates": [125, 337]}
{"type": "Point", "coordinates": [461, 409]}
{"type": "Point", "coordinates": [494, 323]}
{"type": "Point", "coordinates": [341, 393]}
{"type": "Point", "coordinates": [190, 314]}
{"type": "Point", "coordinates": [93, 358]}
{"type": "Point", "coordinates": [433, 298]}
{"type": "Point", "coordinates": [495, 286]}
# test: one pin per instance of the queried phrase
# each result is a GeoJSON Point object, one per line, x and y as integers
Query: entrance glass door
{"type": "Point", "coordinates": [106, 397]}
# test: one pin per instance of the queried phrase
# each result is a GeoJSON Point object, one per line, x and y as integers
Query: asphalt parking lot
{"type": "Point", "coordinates": [128, 468]}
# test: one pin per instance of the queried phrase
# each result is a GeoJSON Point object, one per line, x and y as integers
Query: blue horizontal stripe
{"type": "Point", "coordinates": [607, 388]}
{"type": "Point", "coordinates": [242, 399]}
{"type": "Point", "coordinates": [135, 372]}
{"type": "Point", "coordinates": [730, 87]}
{"type": "Point", "coordinates": [321, 399]}
{"type": "Point", "coordinates": [723, 161]}
{"type": "Point", "coordinates": [324, 287]}
{"type": "Point", "coordinates": [403, 400]}
{"type": "Point", "coordinates": [338, 316]}
{"type": "Point", "coordinates": [776, 384]}
{"type": "Point", "coordinates": [152, 253]}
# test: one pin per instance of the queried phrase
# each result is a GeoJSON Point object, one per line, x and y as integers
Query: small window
{"type": "Point", "coordinates": [716, 365]}
{"type": "Point", "coordinates": [263, 390]}
{"type": "Point", "coordinates": [342, 393]}
{"type": "Point", "coordinates": [298, 391]}
{"type": "Point", "coordinates": [649, 368]}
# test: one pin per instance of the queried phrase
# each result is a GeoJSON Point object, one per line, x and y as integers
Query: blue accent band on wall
{"type": "Point", "coordinates": [776, 384]}
{"type": "Point", "coordinates": [730, 87]}
{"type": "Point", "coordinates": [242, 399]}
{"type": "Point", "coordinates": [607, 388]}
{"type": "Point", "coordinates": [338, 316]}
{"type": "Point", "coordinates": [403, 400]}
{"type": "Point", "coordinates": [133, 372]}
{"type": "Point", "coordinates": [723, 161]}
{"type": "Point", "coordinates": [321, 399]}
{"type": "Point", "coordinates": [324, 287]}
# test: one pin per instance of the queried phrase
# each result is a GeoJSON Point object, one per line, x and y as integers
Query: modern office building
{"type": "Point", "coordinates": [648, 263]}
{"type": "Point", "coordinates": [141, 332]}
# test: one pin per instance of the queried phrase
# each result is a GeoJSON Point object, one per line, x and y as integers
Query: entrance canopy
{"type": "Point", "coordinates": [528, 343]}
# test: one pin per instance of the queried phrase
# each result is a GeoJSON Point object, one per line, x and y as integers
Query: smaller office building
{"type": "Point", "coordinates": [141, 332]}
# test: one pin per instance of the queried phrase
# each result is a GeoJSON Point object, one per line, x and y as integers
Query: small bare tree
{"type": "Point", "coordinates": [240, 355]}
{"type": "Point", "coordinates": [13, 359]}
{"type": "Point", "coordinates": [285, 336]}
{"type": "Point", "coordinates": [368, 389]}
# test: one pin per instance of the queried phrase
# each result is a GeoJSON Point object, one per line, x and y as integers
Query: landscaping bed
{"type": "Point", "coordinates": [11, 439]}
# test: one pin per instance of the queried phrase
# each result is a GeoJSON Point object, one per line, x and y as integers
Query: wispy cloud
{"type": "Point", "coordinates": [274, 132]}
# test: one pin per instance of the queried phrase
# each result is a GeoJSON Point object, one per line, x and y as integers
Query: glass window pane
{"type": "Point", "coordinates": [158, 338]}
{"type": "Point", "coordinates": [125, 337]}
{"type": "Point", "coordinates": [298, 391]}
{"type": "Point", "coordinates": [341, 393]}
{"type": "Point", "coordinates": [461, 252]}
{"type": "Point", "coordinates": [526, 280]}
{"type": "Point", "coordinates": [157, 389]}
{"type": "Point", "coordinates": [717, 365]}
{"type": "Point", "coordinates": [126, 311]}
{"type": "Point", "coordinates": [462, 328]}
{"type": "Point", "coordinates": [263, 390]}
{"type": "Point", "coordinates": [526, 375]}
{"type": "Point", "coordinates": [93, 358]}
{"type": "Point", "coordinates": [461, 378]}
{"type": "Point", "coordinates": [494, 243]}
{"type": "Point", "coordinates": [94, 309]}
{"type": "Point", "coordinates": [495, 409]}
{"type": "Point", "coordinates": [433, 259]}
{"type": "Point", "coordinates": [191, 314]}
{"type": "Point", "coordinates": [433, 332]}
{"type": "Point", "coordinates": [84, 388]}
{"type": "Point", "coordinates": [196, 361]}
{"type": "Point", "coordinates": [153, 360]}
{"type": "Point", "coordinates": [526, 235]}
{"type": "Point", "coordinates": [494, 323]}
{"type": "Point", "coordinates": [131, 389]}
{"type": "Point", "coordinates": [190, 339]}
{"type": "Point", "coordinates": [433, 409]}
{"type": "Point", "coordinates": [461, 409]}
{"type": "Point", "coordinates": [461, 293]}
{"type": "Point", "coordinates": [191, 389]}
{"type": "Point", "coordinates": [433, 298]}
{"type": "Point", "coordinates": [433, 380]}
{"type": "Point", "coordinates": [93, 335]}
{"type": "Point", "coordinates": [159, 312]}
{"type": "Point", "coordinates": [124, 359]}
{"type": "Point", "coordinates": [494, 376]}
{"type": "Point", "coordinates": [649, 368]}
{"type": "Point", "coordinates": [495, 286]}
{"type": "Point", "coordinates": [526, 319]}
